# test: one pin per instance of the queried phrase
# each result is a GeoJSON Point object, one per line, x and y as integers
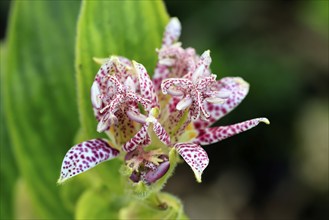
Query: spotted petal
{"type": "Point", "coordinates": [175, 82]}
{"type": "Point", "coordinates": [139, 138]}
{"type": "Point", "coordinates": [123, 67]}
{"type": "Point", "coordinates": [176, 124]}
{"type": "Point", "coordinates": [238, 90]}
{"type": "Point", "coordinates": [118, 66]}
{"type": "Point", "coordinates": [202, 67]}
{"type": "Point", "coordinates": [95, 94]}
{"type": "Point", "coordinates": [109, 80]}
{"type": "Point", "coordinates": [195, 156]}
{"type": "Point", "coordinates": [174, 61]}
{"type": "Point", "coordinates": [146, 85]}
{"type": "Point", "coordinates": [172, 32]}
{"type": "Point", "coordinates": [115, 65]}
{"type": "Point", "coordinates": [84, 156]}
{"type": "Point", "coordinates": [216, 134]}
{"type": "Point", "coordinates": [161, 133]}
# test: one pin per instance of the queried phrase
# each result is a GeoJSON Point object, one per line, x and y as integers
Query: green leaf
{"type": "Point", "coordinates": [23, 206]}
{"type": "Point", "coordinates": [162, 206]}
{"type": "Point", "coordinates": [315, 14]}
{"type": "Point", "coordinates": [127, 28]}
{"type": "Point", "coordinates": [8, 168]}
{"type": "Point", "coordinates": [39, 94]}
{"type": "Point", "coordinates": [99, 204]}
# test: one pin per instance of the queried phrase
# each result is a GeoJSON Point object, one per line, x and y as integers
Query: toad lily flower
{"type": "Point", "coordinates": [147, 119]}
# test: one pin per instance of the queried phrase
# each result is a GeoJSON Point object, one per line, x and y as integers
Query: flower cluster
{"type": "Point", "coordinates": [146, 118]}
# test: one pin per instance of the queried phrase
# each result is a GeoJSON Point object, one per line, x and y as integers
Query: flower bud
{"type": "Point", "coordinates": [153, 175]}
{"type": "Point", "coordinates": [134, 177]}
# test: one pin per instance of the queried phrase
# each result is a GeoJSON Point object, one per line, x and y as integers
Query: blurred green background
{"type": "Point", "coordinates": [277, 172]}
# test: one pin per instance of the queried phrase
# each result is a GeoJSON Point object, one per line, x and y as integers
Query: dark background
{"type": "Point", "coordinates": [279, 171]}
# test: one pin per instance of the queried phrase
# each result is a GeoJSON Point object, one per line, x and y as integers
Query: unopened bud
{"type": "Point", "coordinates": [134, 177]}
{"type": "Point", "coordinates": [160, 171]}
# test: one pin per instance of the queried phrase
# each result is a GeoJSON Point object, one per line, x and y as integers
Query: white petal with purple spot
{"type": "Point", "coordinates": [195, 156]}
{"type": "Point", "coordinates": [237, 89]}
{"type": "Point", "coordinates": [84, 156]}
{"type": "Point", "coordinates": [212, 135]}
{"type": "Point", "coordinates": [172, 32]}
{"type": "Point", "coordinates": [161, 133]}
{"type": "Point", "coordinates": [139, 139]}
